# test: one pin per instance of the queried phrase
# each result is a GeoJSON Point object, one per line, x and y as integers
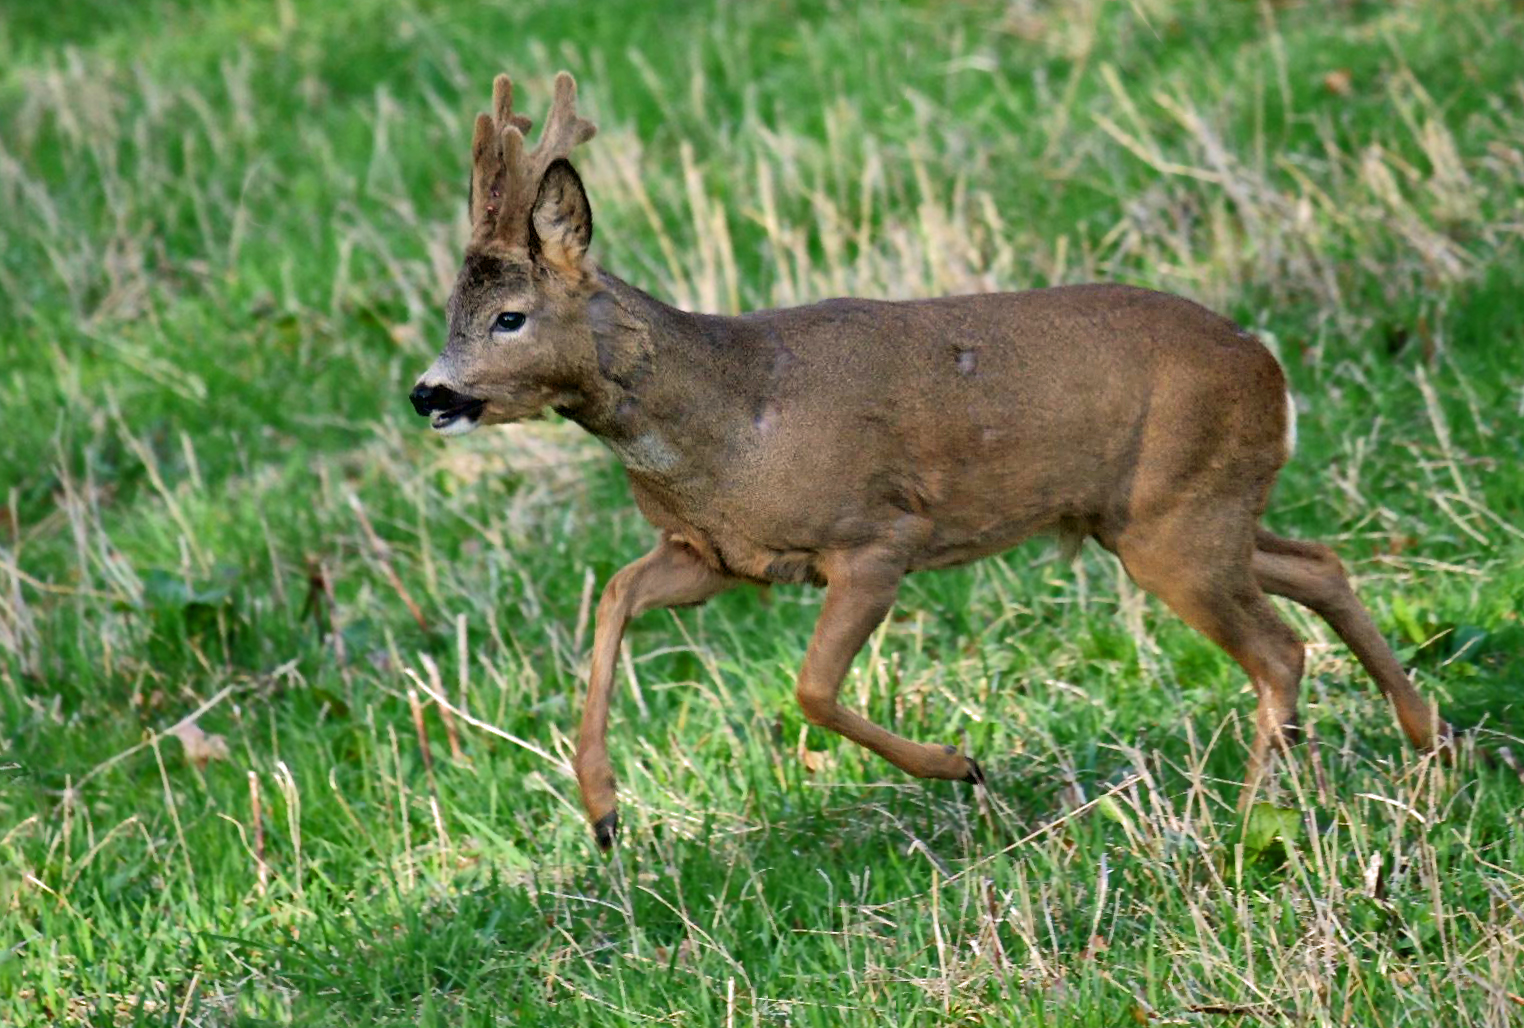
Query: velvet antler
{"type": "Point", "coordinates": [504, 179]}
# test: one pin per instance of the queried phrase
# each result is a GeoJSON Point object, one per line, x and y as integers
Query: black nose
{"type": "Point", "coordinates": [427, 399]}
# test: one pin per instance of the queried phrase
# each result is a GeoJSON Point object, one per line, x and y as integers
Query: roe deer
{"type": "Point", "coordinates": [848, 443]}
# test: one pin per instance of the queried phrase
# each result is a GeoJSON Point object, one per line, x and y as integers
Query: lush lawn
{"type": "Point", "coordinates": [226, 233]}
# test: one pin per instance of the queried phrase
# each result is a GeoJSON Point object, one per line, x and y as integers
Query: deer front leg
{"type": "Point", "coordinates": [668, 576]}
{"type": "Point", "coordinates": [860, 592]}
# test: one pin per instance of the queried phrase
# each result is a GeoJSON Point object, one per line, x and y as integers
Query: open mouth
{"type": "Point", "coordinates": [458, 419]}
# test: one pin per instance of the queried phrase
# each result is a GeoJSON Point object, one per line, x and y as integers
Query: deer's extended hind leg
{"type": "Point", "coordinates": [1207, 579]}
{"type": "Point", "coordinates": [860, 592]}
{"type": "Point", "coordinates": [668, 576]}
{"type": "Point", "coordinates": [1311, 574]}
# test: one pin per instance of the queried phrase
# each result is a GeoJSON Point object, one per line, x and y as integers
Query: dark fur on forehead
{"type": "Point", "coordinates": [483, 276]}
{"type": "Point", "coordinates": [490, 271]}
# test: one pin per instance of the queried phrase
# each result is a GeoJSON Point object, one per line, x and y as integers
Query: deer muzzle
{"type": "Point", "coordinates": [449, 412]}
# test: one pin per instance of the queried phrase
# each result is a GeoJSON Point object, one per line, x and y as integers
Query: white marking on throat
{"type": "Point", "coordinates": [647, 451]}
{"type": "Point", "coordinates": [1290, 424]}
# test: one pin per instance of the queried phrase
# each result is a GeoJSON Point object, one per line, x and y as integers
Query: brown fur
{"type": "Point", "coordinates": [850, 442]}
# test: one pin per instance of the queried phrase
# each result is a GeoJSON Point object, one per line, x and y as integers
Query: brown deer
{"type": "Point", "coordinates": [850, 442]}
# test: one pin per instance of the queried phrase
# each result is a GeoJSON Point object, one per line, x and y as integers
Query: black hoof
{"type": "Point", "coordinates": [606, 829]}
{"type": "Point", "coordinates": [975, 774]}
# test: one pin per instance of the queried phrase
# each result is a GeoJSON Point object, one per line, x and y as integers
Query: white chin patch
{"type": "Point", "coordinates": [458, 424]}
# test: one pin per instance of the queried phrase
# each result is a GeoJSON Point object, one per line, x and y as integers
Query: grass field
{"type": "Point", "coordinates": [235, 568]}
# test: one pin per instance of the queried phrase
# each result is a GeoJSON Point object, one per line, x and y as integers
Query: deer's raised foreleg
{"type": "Point", "coordinates": [860, 593]}
{"type": "Point", "coordinates": [669, 576]}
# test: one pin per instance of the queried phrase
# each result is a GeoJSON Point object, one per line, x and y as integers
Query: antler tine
{"type": "Point", "coordinates": [486, 162]}
{"type": "Point", "coordinates": [493, 156]}
{"type": "Point", "coordinates": [504, 178]}
{"type": "Point", "coordinates": [502, 106]}
{"type": "Point", "coordinates": [563, 129]}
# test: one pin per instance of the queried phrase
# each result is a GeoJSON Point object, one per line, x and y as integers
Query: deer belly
{"type": "Point", "coordinates": [950, 546]}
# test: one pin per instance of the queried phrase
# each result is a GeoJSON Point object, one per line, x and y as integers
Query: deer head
{"type": "Point", "coordinates": [519, 334]}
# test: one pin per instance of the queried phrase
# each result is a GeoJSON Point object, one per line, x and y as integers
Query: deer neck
{"type": "Point", "coordinates": [667, 394]}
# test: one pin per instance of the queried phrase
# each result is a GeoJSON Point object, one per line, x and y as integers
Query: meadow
{"type": "Point", "coordinates": [287, 683]}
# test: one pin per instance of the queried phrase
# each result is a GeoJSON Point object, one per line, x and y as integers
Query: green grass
{"type": "Point", "coordinates": [226, 233]}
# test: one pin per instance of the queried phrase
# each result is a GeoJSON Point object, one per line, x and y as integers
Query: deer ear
{"type": "Point", "coordinates": [561, 221]}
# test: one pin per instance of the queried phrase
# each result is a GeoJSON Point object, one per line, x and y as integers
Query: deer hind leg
{"type": "Point", "coordinates": [1210, 583]}
{"type": "Point", "coordinates": [669, 576]}
{"type": "Point", "coordinates": [1310, 574]}
{"type": "Point", "coordinates": [860, 593]}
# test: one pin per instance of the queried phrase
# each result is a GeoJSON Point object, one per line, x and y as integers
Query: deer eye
{"type": "Point", "coordinates": [508, 321]}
